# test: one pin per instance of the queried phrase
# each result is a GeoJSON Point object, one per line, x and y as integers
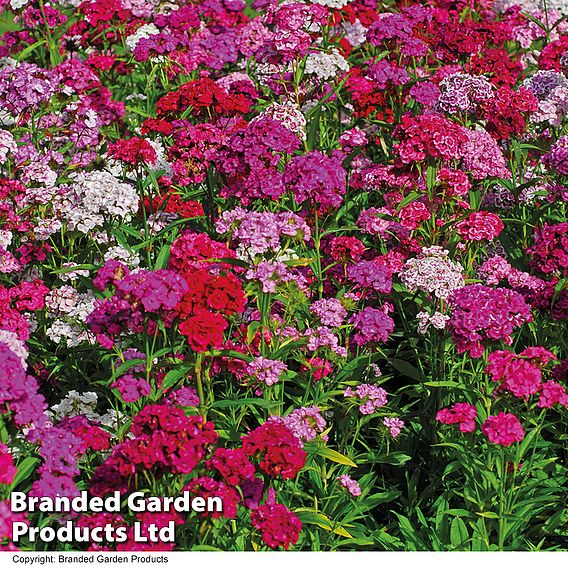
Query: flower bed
{"type": "Point", "coordinates": [309, 260]}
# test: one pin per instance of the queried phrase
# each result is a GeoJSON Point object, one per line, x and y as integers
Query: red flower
{"type": "Point", "coordinates": [134, 151]}
{"type": "Point", "coordinates": [278, 525]}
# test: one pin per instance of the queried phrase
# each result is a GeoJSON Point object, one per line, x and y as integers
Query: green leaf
{"type": "Point", "coordinates": [459, 535]}
{"type": "Point", "coordinates": [320, 520]}
{"type": "Point", "coordinates": [315, 449]}
{"type": "Point", "coordinates": [406, 369]}
{"type": "Point", "coordinates": [243, 402]}
{"type": "Point", "coordinates": [25, 52]}
{"type": "Point", "coordinates": [24, 470]}
{"type": "Point", "coordinates": [173, 376]}
{"type": "Point", "coordinates": [488, 514]}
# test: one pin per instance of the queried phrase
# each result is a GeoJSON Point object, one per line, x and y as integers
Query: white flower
{"type": "Point", "coordinates": [7, 145]}
{"type": "Point", "coordinates": [17, 4]}
{"type": "Point", "coordinates": [76, 404]}
{"type": "Point", "coordinates": [432, 271]}
{"type": "Point", "coordinates": [325, 65]}
{"type": "Point", "coordinates": [121, 254]}
{"type": "Point", "coordinates": [93, 199]}
{"type": "Point", "coordinates": [144, 31]}
{"type": "Point", "coordinates": [336, 4]}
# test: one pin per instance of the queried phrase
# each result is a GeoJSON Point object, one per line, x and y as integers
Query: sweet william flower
{"type": "Point", "coordinates": [278, 525]}
{"type": "Point", "coordinates": [7, 468]}
{"type": "Point", "coordinates": [461, 413]}
{"type": "Point", "coordinates": [503, 429]}
{"type": "Point", "coordinates": [350, 484]}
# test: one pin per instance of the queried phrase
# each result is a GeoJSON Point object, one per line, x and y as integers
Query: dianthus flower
{"type": "Point", "coordinates": [373, 222]}
{"type": "Point", "coordinates": [479, 226]}
{"type": "Point", "coordinates": [372, 325]}
{"type": "Point", "coordinates": [432, 271]}
{"type": "Point", "coordinates": [318, 367]}
{"type": "Point", "coordinates": [265, 371]}
{"type": "Point", "coordinates": [482, 157]}
{"type": "Point", "coordinates": [453, 182]}
{"type": "Point", "coordinates": [460, 413]}
{"type": "Point", "coordinates": [384, 72]}
{"type": "Point", "coordinates": [323, 336]}
{"type": "Point", "coordinates": [483, 314]}
{"type": "Point", "coordinates": [278, 525]}
{"type": "Point", "coordinates": [221, 293]}
{"type": "Point", "coordinates": [461, 92]}
{"type": "Point", "coordinates": [503, 429]}
{"type": "Point", "coordinates": [25, 87]}
{"type": "Point", "coordinates": [437, 320]}
{"type": "Point", "coordinates": [350, 484]}
{"type": "Point", "coordinates": [164, 440]}
{"type": "Point", "coordinates": [7, 145]}
{"type": "Point", "coordinates": [233, 465]}
{"type": "Point", "coordinates": [184, 396]}
{"type": "Point", "coordinates": [345, 249]}
{"type": "Point", "coordinates": [270, 274]}
{"type": "Point", "coordinates": [507, 111]}
{"type": "Point", "coordinates": [204, 97]}
{"type": "Point", "coordinates": [249, 158]}
{"type": "Point", "coordinates": [132, 388]}
{"type": "Point", "coordinates": [192, 251]}
{"type": "Point", "coordinates": [413, 215]}
{"type": "Point", "coordinates": [134, 151]}
{"type": "Point", "coordinates": [330, 311]}
{"type": "Point", "coordinates": [136, 296]}
{"type": "Point", "coordinates": [316, 177]}
{"type": "Point", "coordinates": [279, 452]}
{"type": "Point", "coordinates": [368, 397]}
{"type": "Point", "coordinates": [551, 90]}
{"type": "Point", "coordinates": [394, 425]}
{"type": "Point", "coordinates": [7, 468]}
{"type": "Point", "coordinates": [306, 423]}
{"type": "Point", "coordinates": [370, 275]}
{"type": "Point", "coordinates": [203, 330]}
{"type": "Point", "coordinates": [519, 374]}
{"type": "Point", "coordinates": [20, 391]}
{"type": "Point", "coordinates": [208, 487]}
{"type": "Point", "coordinates": [92, 436]}
{"type": "Point", "coordinates": [496, 269]}
{"type": "Point", "coordinates": [552, 393]}
{"type": "Point", "coordinates": [93, 198]}
{"type": "Point", "coordinates": [289, 115]}
{"type": "Point", "coordinates": [259, 232]}
{"type": "Point", "coordinates": [325, 66]}
{"type": "Point", "coordinates": [549, 254]}
{"type": "Point", "coordinates": [428, 136]}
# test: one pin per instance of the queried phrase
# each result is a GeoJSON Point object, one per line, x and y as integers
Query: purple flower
{"type": "Point", "coordinates": [316, 177]}
{"type": "Point", "coordinates": [371, 275]}
{"type": "Point", "coordinates": [350, 484]}
{"type": "Point", "coordinates": [372, 325]}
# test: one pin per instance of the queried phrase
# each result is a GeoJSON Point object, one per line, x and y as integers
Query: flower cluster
{"type": "Point", "coordinates": [432, 271]}
{"type": "Point", "coordinates": [219, 217]}
{"type": "Point", "coordinates": [368, 397]}
{"type": "Point", "coordinates": [481, 314]}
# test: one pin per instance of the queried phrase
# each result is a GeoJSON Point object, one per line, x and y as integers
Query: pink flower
{"type": "Point", "coordinates": [479, 226]}
{"type": "Point", "coordinates": [503, 429]}
{"type": "Point", "coordinates": [350, 484]}
{"type": "Point", "coordinates": [395, 425]}
{"type": "Point", "coordinates": [278, 525]}
{"type": "Point", "coordinates": [552, 393]}
{"type": "Point", "coordinates": [517, 375]}
{"type": "Point", "coordinates": [461, 413]}
{"type": "Point", "coordinates": [371, 397]}
{"type": "Point", "coordinates": [7, 468]}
